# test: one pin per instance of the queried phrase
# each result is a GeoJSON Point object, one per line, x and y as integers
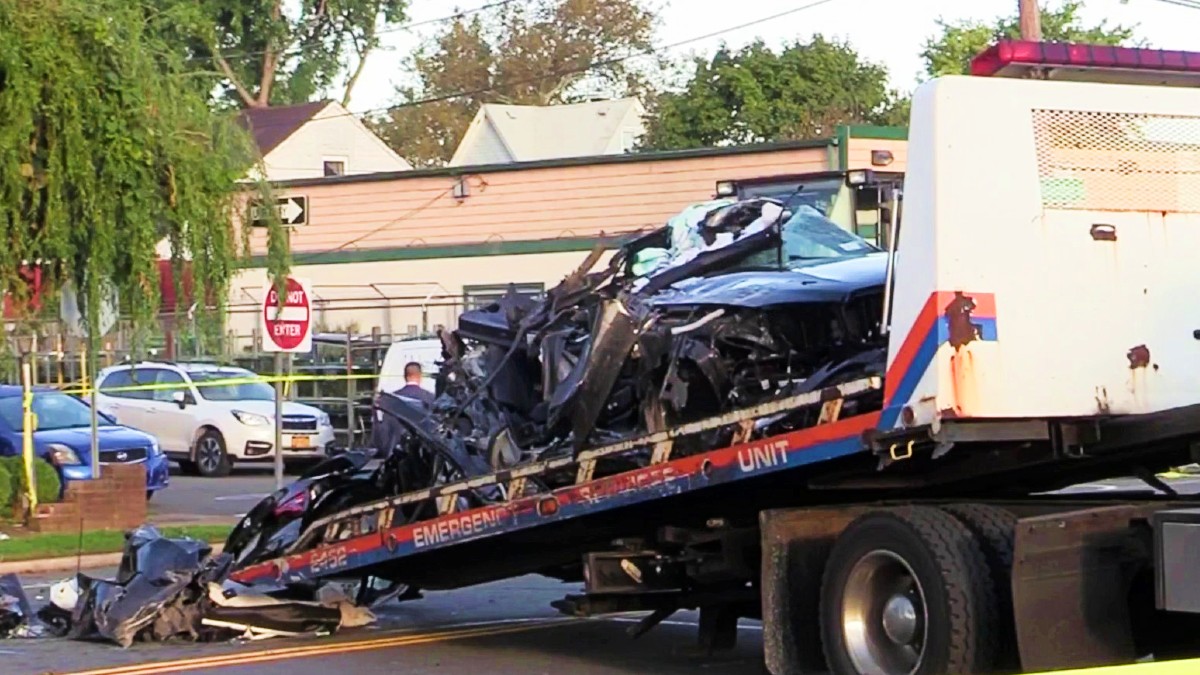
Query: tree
{"type": "Point", "coordinates": [950, 53]}
{"type": "Point", "coordinates": [756, 94]}
{"type": "Point", "coordinates": [540, 53]}
{"type": "Point", "coordinates": [268, 57]}
{"type": "Point", "coordinates": [107, 144]}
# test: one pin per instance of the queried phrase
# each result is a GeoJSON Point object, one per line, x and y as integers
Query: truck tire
{"type": "Point", "coordinates": [907, 591]}
{"type": "Point", "coordinates": [994, 527]}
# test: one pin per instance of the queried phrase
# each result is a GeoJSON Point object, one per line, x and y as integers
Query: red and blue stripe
{"type": "Point", "coordinates": [929, 332]}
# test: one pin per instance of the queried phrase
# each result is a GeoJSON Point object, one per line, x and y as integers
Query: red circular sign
{"type": "Point", "coordinates": [288, 327]}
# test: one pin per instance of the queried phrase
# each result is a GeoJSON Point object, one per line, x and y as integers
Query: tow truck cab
{"type": "Point", "coordinates": [860, 201]}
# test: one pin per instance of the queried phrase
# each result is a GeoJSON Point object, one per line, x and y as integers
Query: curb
{"type": "Point", "coordinates": [70, 563]}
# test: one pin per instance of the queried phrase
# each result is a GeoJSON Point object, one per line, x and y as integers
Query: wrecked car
{"type": "Point", "coordinates": [731, 304]}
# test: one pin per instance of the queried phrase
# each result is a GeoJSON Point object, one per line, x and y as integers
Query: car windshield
{"type": "Point", "coordinates": [53, 411]}
{"type": "Point", "coordinates": [248, 386]}
{"type": "Point", "coordinates": [810, 238]}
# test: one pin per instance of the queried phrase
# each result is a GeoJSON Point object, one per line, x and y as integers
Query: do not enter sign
{"type": "Point", "coordinates": [287, 328]}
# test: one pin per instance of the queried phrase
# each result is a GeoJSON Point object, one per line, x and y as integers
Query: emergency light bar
{"type": "Point", "coordinates": [1087, 63]}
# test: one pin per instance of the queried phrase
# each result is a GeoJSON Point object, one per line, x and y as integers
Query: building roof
{"type": "Point", "coordinates": [272, 126]}
{"type": "Point", "coordinates": [531, 133]}
{"type": "Point", "coordinates": [596, 160]}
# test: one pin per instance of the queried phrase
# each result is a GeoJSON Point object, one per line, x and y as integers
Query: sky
{"type": "Point", "coordinates": [889, 32]}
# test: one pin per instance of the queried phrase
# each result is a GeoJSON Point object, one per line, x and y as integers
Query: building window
{"type": "Point", "coordinates": [475, 297]}
{"type": "Point", "coordinates": [335, 167]}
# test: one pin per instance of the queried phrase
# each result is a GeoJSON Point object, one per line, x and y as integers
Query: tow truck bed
{"type": "Point", "coordinates": [365, 537]}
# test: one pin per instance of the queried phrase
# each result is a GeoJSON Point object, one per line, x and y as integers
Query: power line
{"type": "Point", "coordinates": [575, 71]}
{"type": "Point", "coordinates": [296, 51]}
{"type": "Point", "coordinates": [1191, 4]}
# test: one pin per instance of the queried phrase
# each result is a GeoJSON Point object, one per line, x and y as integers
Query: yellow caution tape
{"type": "Point", "coordinates": [260, 379]}
{"type": "Point", "coordinates": [1190, 667]}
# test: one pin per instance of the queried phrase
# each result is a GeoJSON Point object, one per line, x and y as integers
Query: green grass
{"type": "Point", "coordinates": [54, 545]}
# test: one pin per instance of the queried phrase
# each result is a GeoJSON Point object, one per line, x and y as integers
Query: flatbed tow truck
{"type": "Point", "coordinates": [1040, 335]}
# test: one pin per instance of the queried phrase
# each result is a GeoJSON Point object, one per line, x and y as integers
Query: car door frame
{"type": "Point", "coordinates": [174, 427]}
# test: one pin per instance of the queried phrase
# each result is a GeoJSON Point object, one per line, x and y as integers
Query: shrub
{"type": "Point", "coordinates": [45, 478]}
{"type": "Point", "coordinates": [6, 491]}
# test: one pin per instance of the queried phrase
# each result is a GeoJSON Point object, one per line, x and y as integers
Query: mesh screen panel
{"type": "Point", "coordinates": [1118, 161]}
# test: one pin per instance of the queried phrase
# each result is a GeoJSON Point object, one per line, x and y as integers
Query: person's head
{"type": "Point", "coordinates": [412, 372]}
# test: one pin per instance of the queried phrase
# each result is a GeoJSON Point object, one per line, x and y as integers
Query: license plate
{"type": "Point", "coordinates": [301, 442]}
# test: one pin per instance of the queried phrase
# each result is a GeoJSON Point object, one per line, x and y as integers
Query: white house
{"type": "Point", "coordinates": [504, 134]}
{"type": "Point", "coordinates": [317, 139]}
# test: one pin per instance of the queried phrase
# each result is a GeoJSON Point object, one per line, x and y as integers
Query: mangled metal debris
{"type": "Point", "coordinates": [165, 589]}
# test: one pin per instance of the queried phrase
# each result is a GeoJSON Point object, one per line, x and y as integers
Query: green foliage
{"type": "Point", "coordinates": [274, 53]}
{"type": "Point", "coordinates": [45, 479]}
{"type": "Point", "coordinates": [539, 52]}
{"type": "Point", "coordinates": [757, 94]}
{"type": "Point", "coordinates": [7, 497]}
{"type": "Point", "coordinates": [107, 145]}
{"type": "Point", "coordinates": [950, 53]}
{"type": "Point", "coordinates": [58, 545]}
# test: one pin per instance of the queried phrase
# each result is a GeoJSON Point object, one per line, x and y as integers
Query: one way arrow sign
{"type": "Point", "coordinates": [292, 210]}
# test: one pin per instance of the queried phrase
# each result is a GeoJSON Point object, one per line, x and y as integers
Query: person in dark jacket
{"type": "Point", "coordinates": [412, 384]}
{"type": "Point", "coordinates": [387, 432]}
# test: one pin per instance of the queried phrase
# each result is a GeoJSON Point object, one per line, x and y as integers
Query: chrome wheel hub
{"type": "Point", "coordinates": [884, 615]}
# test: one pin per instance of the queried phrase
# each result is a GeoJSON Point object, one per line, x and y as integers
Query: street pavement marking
{"type": "Point", "coordinates": [324, 649]}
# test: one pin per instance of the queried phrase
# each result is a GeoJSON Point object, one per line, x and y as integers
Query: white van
{"type": "Point", "coordinates": [425, 351]}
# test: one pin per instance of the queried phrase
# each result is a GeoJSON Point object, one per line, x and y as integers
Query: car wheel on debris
{"type": "Point", "coordinates": [212, 461]}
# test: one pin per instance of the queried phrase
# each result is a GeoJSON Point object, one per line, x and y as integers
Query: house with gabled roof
{"type": "Point", "coordinates": [506, 134]}
{"type": "Point", "coordinates": [317, 139]}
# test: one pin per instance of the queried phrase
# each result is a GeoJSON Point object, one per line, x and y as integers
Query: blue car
{"type": "Point", "coordinates": [63, 437]}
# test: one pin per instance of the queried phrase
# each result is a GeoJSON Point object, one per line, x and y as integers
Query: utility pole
{"type": "Point", "coordinates": [1031, 20]}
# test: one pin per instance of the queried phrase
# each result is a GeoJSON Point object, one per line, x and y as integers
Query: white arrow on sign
{"type": "Point", "coordinates": [291, 211]}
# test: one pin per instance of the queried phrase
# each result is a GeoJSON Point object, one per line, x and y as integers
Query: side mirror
{"type": "Point", "coordinates": [180, 398]}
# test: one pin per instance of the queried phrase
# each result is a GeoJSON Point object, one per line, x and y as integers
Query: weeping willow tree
{"type": "Point", "coordinates": [107, 147]}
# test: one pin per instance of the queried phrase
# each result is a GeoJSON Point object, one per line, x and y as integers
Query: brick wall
{"type": "Point", "coordinates": [117, 501]}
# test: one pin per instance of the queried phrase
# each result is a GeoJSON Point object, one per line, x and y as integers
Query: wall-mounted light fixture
{"type": "Point", "coordinates": [462, 189]}
{"type": "Point", "coordinates": [881, 157]}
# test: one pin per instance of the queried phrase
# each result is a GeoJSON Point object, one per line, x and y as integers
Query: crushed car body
{"type": "Point", "coordinates": [731, 304]}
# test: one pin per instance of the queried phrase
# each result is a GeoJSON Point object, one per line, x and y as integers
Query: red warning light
{"type": "Point", "coordinates": [1082, 62]}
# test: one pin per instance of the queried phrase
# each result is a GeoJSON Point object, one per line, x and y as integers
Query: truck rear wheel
{"type": "Point", "coordinates": [907, 591]}
{"type": "Point", "coordinates": [994, 528]}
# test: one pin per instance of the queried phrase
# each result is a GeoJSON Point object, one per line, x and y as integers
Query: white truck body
{"type": "Point", "coordinates": [1073, 222]}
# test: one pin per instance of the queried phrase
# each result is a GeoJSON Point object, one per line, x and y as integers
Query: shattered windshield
{"type": "Point", "coordinates": [810, 238]}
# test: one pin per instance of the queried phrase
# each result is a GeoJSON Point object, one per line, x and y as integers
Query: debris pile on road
{"type": "Point", "coordinates": [16, 614]}
{"type": "Point", "coordinates": [170, 588]}
{"type": "Point", "coordinates": [731, 304]}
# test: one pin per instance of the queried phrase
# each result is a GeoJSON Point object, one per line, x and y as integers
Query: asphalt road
{"type": "Point", "coordinates": [507, 627]}
{"type": "Point", "coordinates": [190, 498]}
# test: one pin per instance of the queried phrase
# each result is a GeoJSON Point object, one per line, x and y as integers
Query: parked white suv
{"type": "Point", "coordinates": [206, 427]}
